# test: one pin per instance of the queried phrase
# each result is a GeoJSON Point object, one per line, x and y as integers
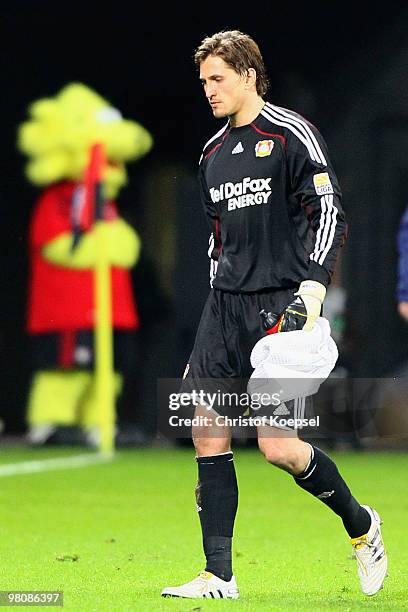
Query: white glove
{"type": "Point", "coordinates": [312, 293]}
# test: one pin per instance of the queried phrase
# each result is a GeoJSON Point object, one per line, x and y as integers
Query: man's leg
{"type": "Point", "coordinates": [217, 501]}
{"type": "Point", "coordinates": [316, 473]}
{"type": "Point", "coordinates": [216, 493]}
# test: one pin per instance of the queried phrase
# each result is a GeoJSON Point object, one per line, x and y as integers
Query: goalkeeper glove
{"type": "Point", "coordinates": [301, 313]}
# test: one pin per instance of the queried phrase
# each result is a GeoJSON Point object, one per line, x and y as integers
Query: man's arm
{"type": "Point", "coordinates": [214, 243]}
{"type": "Point", "coordinates": [315, 187]}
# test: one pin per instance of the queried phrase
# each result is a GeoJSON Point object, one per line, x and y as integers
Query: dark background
{"type": "Point", "coordinates": [339, 64]}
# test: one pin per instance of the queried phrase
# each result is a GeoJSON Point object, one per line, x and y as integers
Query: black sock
{"type": "Point", "coordinates": [217, 502]}
{"type": "Point", "coordinates": [322, 479]}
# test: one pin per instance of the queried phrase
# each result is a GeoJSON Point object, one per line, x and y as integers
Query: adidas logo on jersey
{"type": "Point", "coordinates": [247, 192]}
{"type": "Point", "coordinates": [238, 149]}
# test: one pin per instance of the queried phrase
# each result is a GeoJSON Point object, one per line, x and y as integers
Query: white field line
{"type": "Point", "coordinates": [46, 465]}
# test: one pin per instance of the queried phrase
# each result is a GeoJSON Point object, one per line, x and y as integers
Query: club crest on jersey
{"type": "Point", "coordinates": [263, 148]}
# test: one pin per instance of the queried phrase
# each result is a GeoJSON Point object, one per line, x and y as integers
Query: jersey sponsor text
{"type": "Point", "coordinates": [247, 192]}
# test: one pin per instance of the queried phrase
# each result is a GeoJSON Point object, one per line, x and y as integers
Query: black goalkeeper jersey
{"type": "Point", "coordinates": [273, 203]}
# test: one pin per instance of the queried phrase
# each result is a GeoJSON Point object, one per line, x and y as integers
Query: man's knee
{"type": "Point", "coordinates": [211, 440]}
{"type": "Point", "coordinates": [289, 454]}
{"type": "Point", "coordinates": [273, 452]}
{"type": "Point", "coordinates": [207, 446]}
{"type": "Point", "coordinates": [214, 438]}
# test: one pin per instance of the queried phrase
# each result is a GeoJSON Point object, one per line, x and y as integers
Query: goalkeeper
{"type": "Point", "coordinates": [273, 203]}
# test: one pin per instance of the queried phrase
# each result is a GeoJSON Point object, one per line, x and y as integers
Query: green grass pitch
{"type": "Point", "coordinates": [110, 536]}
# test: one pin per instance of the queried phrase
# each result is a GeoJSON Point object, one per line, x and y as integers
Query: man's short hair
{"type": "Point", "coordinates": [239, 51]}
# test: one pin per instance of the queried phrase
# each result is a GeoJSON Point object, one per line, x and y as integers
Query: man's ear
{"type": "Point", "coordinates": [250, 79]}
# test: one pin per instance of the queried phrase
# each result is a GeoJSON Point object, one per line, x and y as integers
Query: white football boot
{"type": "Point", "coordinates": [205, 586]}
{"type": "Point", "coordinates": [371, 556]}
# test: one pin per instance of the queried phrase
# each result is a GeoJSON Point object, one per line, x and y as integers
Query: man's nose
{"type": "Point", "coordinates": [210, 91]}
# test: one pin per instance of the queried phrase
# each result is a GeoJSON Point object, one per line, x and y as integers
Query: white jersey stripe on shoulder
{"type": "Point", "coordinates": [332, 231]}
{"type": "Point", "coordinates": [276, 112]}
{"type": "Point", "coordinates": [293, 128]}
{"type": "Point", "coordinates": [221, 131]}
{"type": "Point", "coordinates": [216, 135]}
{"type": "Point", "coordinates": [303, 126]}
{"type": "Point", "coordinates": [308, 130]}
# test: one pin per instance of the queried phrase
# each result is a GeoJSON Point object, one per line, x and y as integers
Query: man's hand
{"type": "Point", "coordinates": [301, 313]}
{"type": "Point", "coordinates": [312, 294]}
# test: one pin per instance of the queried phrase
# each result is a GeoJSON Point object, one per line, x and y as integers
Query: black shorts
{"type": "Point", "coordinates": [229, 328]}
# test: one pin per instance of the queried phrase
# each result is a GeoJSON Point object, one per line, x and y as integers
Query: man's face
{"type": "Point", "coordinates": [224, 88]}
